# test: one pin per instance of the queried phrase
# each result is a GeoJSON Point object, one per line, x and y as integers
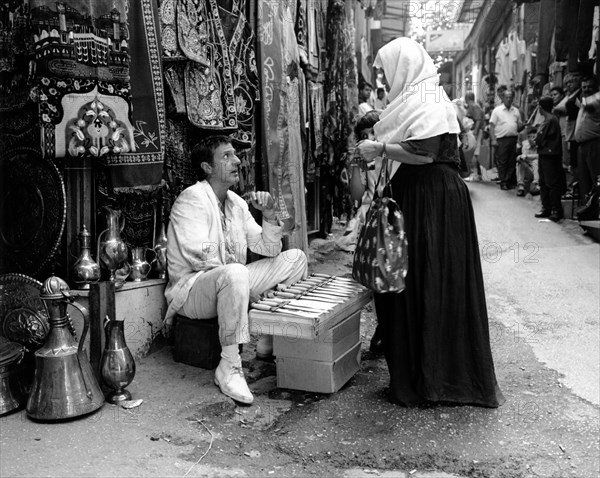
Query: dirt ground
{"type": "Point", "coordinates": [186, 427]}
{"type": "Point", "coordinates": [541, 431]}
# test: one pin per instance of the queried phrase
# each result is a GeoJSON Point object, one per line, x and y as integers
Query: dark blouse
{"type": "Point", "coordinates": [442, 148]}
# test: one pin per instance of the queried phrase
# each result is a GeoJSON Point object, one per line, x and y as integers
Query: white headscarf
{"type": "Point", "coordinates": [418, 106]}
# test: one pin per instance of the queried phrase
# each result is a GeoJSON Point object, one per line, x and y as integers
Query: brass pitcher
{"type": "Point", "coordinates": [64, 385]}
{"type": "Point", "coordinates": [112, 250]}
{"type": "Point", "coordinates": [117, 366]}
{"type": "Point", "coordinates": [140, 267]}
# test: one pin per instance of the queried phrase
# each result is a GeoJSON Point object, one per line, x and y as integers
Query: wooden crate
{"type": "Point", "coordinates": [289, 325]}
{"type": "Point", "coordinates": [327, 346]}
{"type": "Point", "coordinates": [318, 376]}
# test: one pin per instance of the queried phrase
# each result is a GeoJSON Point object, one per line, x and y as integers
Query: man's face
{"type": "Point", "coordinates": [507, 99]}
{"type": "Point", "coordinates": [531, 138]}
{"type": "Point", "coordinates": [588, 88]}
{"type": "Point", "coordinates": [366, 92]}
{"type": "Point", "coordinates": [573, 84]}
{"type": "Point", "coordinates": [225, 165]}
{"type": "Point", "coordinates": [556, 96]}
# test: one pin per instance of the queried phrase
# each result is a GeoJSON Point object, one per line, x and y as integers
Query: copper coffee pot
{"type": "Point", "coordinates": [64, 385]}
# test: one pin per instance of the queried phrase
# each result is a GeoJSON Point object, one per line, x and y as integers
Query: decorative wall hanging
{"type": "Point", "coordinates": [18, 113]}
{"type": "Point", "coordinates": [221, 76]}
{"type": "Point", "coordinates": [143, 165]}
{"type": "Point", "coordinates": [77, 51]}
{"type": "Point", "coordinates": [33, 210]}
{"type": "Point", "coordinates": [97, 132]}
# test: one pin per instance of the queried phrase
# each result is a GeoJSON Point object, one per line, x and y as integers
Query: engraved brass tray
{"type": "Point", "coordinates": [33, 211]}
{"type": "Point", "coordinates": [23, 317]}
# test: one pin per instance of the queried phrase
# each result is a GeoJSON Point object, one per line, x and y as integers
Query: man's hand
{"type": "Point", "coordinates": [167, 328]}
{"type": "Point", "coordinates": [263, 201]}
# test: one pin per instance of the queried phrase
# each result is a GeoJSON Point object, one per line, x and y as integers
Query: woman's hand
{"type": "Point", "coordinates": [369, 149]}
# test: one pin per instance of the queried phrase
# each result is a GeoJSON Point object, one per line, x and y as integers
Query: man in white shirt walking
{"type": "Point", "coordinates": [505, 124]}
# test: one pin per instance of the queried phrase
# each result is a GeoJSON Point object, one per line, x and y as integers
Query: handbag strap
{"type": "Point", "coordinates": [384, 167]}
{"type": "Point", "coordinates": [384, 172]}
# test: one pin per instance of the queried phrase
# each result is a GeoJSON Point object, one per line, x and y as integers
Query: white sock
{"type": "Point", "coordinates": [231, 353]}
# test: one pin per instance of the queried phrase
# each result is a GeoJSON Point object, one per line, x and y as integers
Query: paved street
{"type": "Point", "coordinates": [542, 281]}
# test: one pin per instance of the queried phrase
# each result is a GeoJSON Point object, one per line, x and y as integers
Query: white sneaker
{"type": "Point", "coordinates": [230, 379]}
{"type": "Point", "coordinates": [264, 347]}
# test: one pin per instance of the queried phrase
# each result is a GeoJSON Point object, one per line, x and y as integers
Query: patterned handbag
{"type": "Point", "coordinates": [381, 255]}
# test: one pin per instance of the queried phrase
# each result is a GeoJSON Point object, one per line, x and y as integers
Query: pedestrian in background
{"type": "Point", "coordinates": [552, 175]}
{"type": "Point", "coordinates": [475, 114]}
{"type": "Point", "coordinates": [364, 96]}
{"type": "Point", "coordinates": [380, 100]}
{"type": "Point", "coordinates": [435, 333]}
{"type": "Point", "coordinates": [505, 124]}
{"type": "Point", "coordinates": [558, 97]}
{"type": "Point", "coordinates": [587, 135]}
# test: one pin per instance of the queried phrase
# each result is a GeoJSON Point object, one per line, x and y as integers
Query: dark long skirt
{"type": "Point", "coordinates": [436, 335]}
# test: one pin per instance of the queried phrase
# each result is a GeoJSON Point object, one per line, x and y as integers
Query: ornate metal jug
{"type": "Point", "coordinates": [160, 248]}
{"type": "Point", "coordinates": [112, 250]}
{"type": "Point", "coordinates": [86, 270]}
{"type": "Point", "coordinates": [140, 267]}
{"type": "Point", "coordinates": [64, 385]}
{"type": "Point", "coordinates": [117, 366]}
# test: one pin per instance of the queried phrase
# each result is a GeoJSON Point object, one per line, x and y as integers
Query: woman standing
{"type": "Point", "coordinates": [436, 336]}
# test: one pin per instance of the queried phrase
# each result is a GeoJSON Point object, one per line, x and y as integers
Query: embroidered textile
{"type": "Point", "coordinates": [281, 119]}
{"type": "Point", "coordinates": [315, 118]}
{"type": "Point", "coordinates": [80, 55]}
{"type": "Point", "coordinates": [341, 107]}
{"type": "Point", "coordinates": [18, 114]}
{"type": "Point", "coordinates": [221, 80]}
{"type": "Point", "coordinates": [85, 93]}
{"type": "Point", "coordinates": [143, 166]}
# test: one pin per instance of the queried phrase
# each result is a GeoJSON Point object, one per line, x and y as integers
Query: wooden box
{"type": "Point", "coordinates": [294, 325]}
{"type": "Point", "coordinates": [327, 346]}
{"type": "Point", "coordinates": [197, 342]}
{"type": "Point", "coordinates": [318, 376]}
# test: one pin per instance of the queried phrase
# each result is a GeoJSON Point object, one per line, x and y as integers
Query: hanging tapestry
{"type": "Point", "coordinates": [221, 80]}
{"type": "Point", "coordinates": [143, 165]}
{"type": "Point", "coordinates": [341, 106]}
{"type": "Point", "coordinates": [81, 64]}
{"type": "Point", "coordinates": [83, 57]}
{"type": "Point", "coordinates": [19, 124]}
{"type": "Point", "coordinates": [168, 29]}
{"type": "Point", "coordinates": [315, 118]}
{"type": "Point", "coordinates": [281, 116]}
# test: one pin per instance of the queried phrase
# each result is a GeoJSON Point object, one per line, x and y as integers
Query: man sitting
{"type": "Point", "coordinates": [210, 230]}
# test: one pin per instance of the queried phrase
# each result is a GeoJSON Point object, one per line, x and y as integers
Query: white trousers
{"type": "Point", "coordinates": [226, 291]}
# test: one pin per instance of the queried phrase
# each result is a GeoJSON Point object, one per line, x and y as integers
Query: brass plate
{"type": "Point", "coordinates": [33, 211]}
{"type": "Point", "coordinates": [23, 317]}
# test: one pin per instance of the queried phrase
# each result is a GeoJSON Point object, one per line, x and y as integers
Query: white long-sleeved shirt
{"type": "Point", "coordinates": [198, 240]}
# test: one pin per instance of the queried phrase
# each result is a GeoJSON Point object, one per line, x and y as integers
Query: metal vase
{"type": "Point", "coordinates": [86, 271]}
{"type": "Point", "coordinates": [160, 248]}
{"type": "Point", "coordinates": [117, 366]}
